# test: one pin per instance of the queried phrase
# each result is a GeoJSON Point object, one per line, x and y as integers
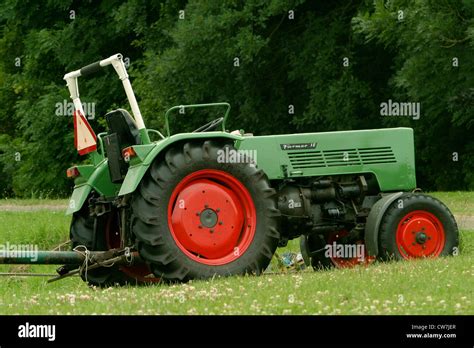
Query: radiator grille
{"type": "Point", "coordinates": [338, 158]}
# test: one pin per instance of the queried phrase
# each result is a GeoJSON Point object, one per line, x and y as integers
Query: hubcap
{"type": "Point", "coordinates": [212, 217]}
{"type": "Point", "coordinates": [420, 234]}
{"type": "Point", "coordinates": [208, 218]}
{"type": "Point", "coordinates": [140, 272]}
{"type": "Point", "coordinates": [421, 238]}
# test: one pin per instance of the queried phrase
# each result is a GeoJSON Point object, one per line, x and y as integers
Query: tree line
{"type": "Point", "coordinates": [285, 66]}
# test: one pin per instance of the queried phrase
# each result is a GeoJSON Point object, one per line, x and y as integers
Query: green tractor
{"type": "Point", "coordinates": [217, 203]}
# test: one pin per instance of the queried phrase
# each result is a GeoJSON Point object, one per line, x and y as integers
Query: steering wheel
{"type": "Point", "coordinates": [210, 125]}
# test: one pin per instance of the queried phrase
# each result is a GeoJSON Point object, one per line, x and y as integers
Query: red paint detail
{"type": "Point", "coordinates": [112, 231]}
{"type": "Point", "coordinates": [230, 200]}
{"type": "Point", "coordinates": [87, 150]}
{"type": "Point", "coordinates": [78, 114]}
{"type": "Point", "coordinates": [348, 262]}
{"type": "Point", "coordinates": [140, 272]}
{"type": "Point", "coordinates": [416, 222]}
{"type": "Point", "coordinates": [72, 173]}
{"type": "Point", "coordinates": [128, 152]}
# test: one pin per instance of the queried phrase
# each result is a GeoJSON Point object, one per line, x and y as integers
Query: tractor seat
{"type": "Point", "coordinates": [121, 122]}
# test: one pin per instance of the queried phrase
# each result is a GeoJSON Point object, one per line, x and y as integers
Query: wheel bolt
{"type": "Point", "coordinates": [212, 231]}
{"type": "Point", "coordinates": [198, 213]}
{"type": "Point", "coordinates": [220, 222]}
{"type": "Point", "coordinates": [199, 226]}
{"type": "Point", "coordinates": [218, 210]}
{"type": "Point", "coordinates": [206, 206]}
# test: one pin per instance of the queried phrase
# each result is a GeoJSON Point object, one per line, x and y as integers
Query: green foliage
{"type": "Point", "coordinates": [48, 46]}
{"type": "Point", "coordinates": [427, 286]}
{"type": "Point", "coordinates": [427, 44]}
{"type": "Point", "coordinates": [280, 64]}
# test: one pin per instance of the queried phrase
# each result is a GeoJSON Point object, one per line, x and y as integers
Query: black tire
{"type": "Point", "coordinates": [156, 243]}
{"type": "Point", "coordinates": [412, 203]}
{"type": "Point", "coordinates": [82, 233]}
{"type": "Point", "coordinates": [316, 249]}
{"type": "Point", "coordinates": [312, 249]}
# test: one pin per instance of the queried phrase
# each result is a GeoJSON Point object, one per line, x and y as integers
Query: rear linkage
{"type": "Point", "coordinates": [95, 259]}
{"type": "Point", "coordinates": [81, 260]}
{"type": "Point", "coordinates": [78, 261]}
{"type": "Point", "coordinates": [125, 254]}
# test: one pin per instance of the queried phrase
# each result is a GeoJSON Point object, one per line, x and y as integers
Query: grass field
{"type": "Point", "coordinates": [459, 202]}
{"type": "Point", "coordinates": [441, 286]}
{"type": "Point", "coordinates": [23, 202]}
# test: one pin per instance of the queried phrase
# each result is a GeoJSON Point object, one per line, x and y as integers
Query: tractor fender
{"type": "Point", "coordinates": [374, 219]}
{"type": "Point", "coordinates": [78, 197]}
{"type": "Point", "coordinates": [136, 172]}
{"type": "Point", "coordinates": [98, 180]}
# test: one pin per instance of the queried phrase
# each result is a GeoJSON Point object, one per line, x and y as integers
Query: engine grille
{"type": "Point", "coordinates": [345, 157]}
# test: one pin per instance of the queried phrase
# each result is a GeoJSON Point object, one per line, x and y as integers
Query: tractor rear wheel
{"type": "Point", "coordinates": [334, 251]}
{"type": "Point", "coordinates": [82, 234]}
{"type": "Point", "coordinates": [195, 217]}
{"type": "Point", "coordinates": [417, 226]}
{"type": "Point", "coordinates": [312, 250]}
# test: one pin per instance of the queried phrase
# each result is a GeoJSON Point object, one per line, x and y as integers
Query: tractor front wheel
{"type": "Point", "coordinates": [417, 226]}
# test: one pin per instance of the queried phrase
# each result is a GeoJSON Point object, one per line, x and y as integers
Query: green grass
{"type": "Point", "coordinates": [442, 286]}
{"type": "Point", "coordinates": [23, 202]}
{"type": "Point", "coordinates": [439, 286]}
{"type": "Point", "coordinates": [459, 202]}
{"type": "Point", "coordinates": [43, 228]}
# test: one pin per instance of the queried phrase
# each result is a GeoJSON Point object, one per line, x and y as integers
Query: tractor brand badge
{"type": "Point", "coordinates": [300, 146]}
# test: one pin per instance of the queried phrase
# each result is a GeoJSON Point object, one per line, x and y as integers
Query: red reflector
{"type": "Point", "coordinates": [128, 153]}
{"type": "Point", "coordinates": [73, 172]}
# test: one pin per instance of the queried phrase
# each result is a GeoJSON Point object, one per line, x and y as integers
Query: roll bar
{"type": "Point", "coordinates": [117, 62]}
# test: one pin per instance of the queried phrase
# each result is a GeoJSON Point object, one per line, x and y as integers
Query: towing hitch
{"type": "Point", "coordinates": [75, 262]}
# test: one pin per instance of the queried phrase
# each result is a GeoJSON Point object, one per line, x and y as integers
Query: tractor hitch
{"type": "Point", "coordinates": [76, 261]}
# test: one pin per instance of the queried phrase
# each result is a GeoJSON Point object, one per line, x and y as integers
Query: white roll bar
{"type": "Point", "coordinates": [117, 62]}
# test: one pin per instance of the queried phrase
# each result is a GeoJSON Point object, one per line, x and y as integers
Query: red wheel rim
{"type": "Point", "coordinates": [112, 232]}
{"type": "Point", "coordinates": [212, 217]}
{"type": "Point", "coordinates": [139, 272]}
{"type": "Point", "coordinates": [420, 234]}
{"type": "Point", "coordinates": [348, 261]}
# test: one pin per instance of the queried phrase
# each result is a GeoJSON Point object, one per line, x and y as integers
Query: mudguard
{"type": "Point", "coordinates": [374, 219]}
{"type": "Point", "coordinates": [78, 197]}
{"type": "Point", "coordinates": [148, 153]}
{"type": "Point", "coordinates": [97, 179]}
